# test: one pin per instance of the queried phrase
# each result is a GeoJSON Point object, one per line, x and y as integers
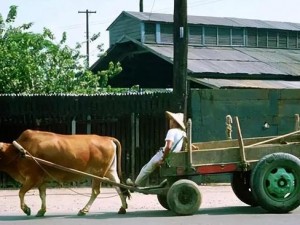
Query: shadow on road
{"type": "Point", "coordinates": [102, 215]}
{"type": "Point", "coordinates": [232, 210]}
{"type": "Point", "coordinates": [136, 214]}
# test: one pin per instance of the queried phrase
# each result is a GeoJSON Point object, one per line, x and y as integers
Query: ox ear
{"type": "Point", "coordinates": [1, 147]}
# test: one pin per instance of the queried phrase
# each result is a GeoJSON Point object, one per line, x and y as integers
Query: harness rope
{"type": "Point", "coordinates": [59, 182]}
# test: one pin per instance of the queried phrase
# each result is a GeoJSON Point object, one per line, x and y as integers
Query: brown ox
{"type": "Point", "coordinates": [97, 155]}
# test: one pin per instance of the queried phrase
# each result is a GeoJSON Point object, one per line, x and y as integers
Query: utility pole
{"type": "Point", "coordinates": [180, 38]}
{"type": "Point", "coordinates": [141, 5]}
{"type": "Point", "coordinates": [87, 12]}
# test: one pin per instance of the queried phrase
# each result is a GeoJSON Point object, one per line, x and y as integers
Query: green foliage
{"type": "Point", "coordinates": [105, 75]}
{"type": "Point", "coordinates": [33, 63]}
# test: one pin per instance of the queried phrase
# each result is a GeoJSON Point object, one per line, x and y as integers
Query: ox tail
{"type": "Point", "coordinates": [119, 157]}
{"type": "Point", "coordinates": [119, 166]}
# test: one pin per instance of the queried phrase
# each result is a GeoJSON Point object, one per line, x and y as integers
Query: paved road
{"type": "Point", "coordinates": [219, 207]}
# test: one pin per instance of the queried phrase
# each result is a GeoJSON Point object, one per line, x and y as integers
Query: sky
{"type": "Point", "coordinates": [62, 15]}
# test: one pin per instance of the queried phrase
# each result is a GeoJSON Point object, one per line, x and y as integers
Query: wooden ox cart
{"type": "Point", "coordinates": [265, 171]}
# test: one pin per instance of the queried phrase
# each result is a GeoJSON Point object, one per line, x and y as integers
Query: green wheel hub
{"type": "Point", "coordinates": [280, 183]}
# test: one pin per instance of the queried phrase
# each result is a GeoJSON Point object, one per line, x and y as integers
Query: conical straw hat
{"type": "Point", "coordinates": [178, 117]}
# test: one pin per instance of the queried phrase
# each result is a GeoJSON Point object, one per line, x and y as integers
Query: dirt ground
{"type": "Point", "coordinates": [65, 200]}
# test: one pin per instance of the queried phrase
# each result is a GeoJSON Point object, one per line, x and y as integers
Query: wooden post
{"type": "Point", "coordinates": [180, 38]}
{"type": "Point", "coordinates": [141, 6]}
{"type": "Point", "coordinates": [241, 144]}
{"type": "Point", "coordinates": [133, 147]}
{"type": "Point", "coordinates": [297, 122]}
{"type": "Point", "coordinates": [228, 127]}
{"type": "Point", "coordinates": [88, 124]}
{"type": "Point", "coordinates": [189, 142]}
{"type": "Point", "coordinates": [87, 12]}
{"type": "Point", "coordinates": [73, 126]}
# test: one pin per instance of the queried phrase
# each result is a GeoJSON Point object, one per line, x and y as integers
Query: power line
{"type": "Point", "coordinates": [203, 2]}
{"type": "Point", "coordinates": [152, 6]}
{"type": "Point", "coordinates": [189, 5]}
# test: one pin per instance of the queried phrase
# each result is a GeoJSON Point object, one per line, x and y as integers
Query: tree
{"type": "Point", "coordinates": [33, 63]}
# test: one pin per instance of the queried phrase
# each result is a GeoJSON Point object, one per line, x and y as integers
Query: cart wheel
{"type": "Point", "coordinates": [162, 199]}
{"type": "Point", "coordinates": [240, 185]}
{"type": "Point", "coordinates": [184, 197]}
{"type": "Point", "coordinates": [275, 182]}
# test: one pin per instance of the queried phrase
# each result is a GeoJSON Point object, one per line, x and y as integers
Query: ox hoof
{"type": "Point", "coordinates": [41, 213]}
{"type": "Point", "coordinates": [122, 211]}
{"type": "Point", "coordinates": [27, 210]}
{"type": "Point", "coordinates": [81, 213]}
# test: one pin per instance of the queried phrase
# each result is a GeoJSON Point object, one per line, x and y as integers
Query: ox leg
{"type": "Point", "coordinates": [23, 190]}
{"type": "Point", "coordinates": [113, 176]}
{"type": "Point", "coordinates": [42, 192]}
{"type": "Point", "coordinates": [95, 192]}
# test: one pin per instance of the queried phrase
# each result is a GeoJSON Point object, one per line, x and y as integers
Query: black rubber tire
{"type": "Point", "coordinates": [184, 197]}
{"type": "Point", "coordinates": [162, 199]}
{"type": "Point", "coordinates": [275, 182]}
{"type": "Point", "coordinates": [240, 185]}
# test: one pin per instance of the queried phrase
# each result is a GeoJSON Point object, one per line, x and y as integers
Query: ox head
{"type": "Point", "coordinates": [1, 148]}
{"type": "Point", "coordinates": [1, 151]}
{"type": "Point", "coordinates": [7, 154]}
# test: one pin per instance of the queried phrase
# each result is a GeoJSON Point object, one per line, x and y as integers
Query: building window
{"type": "Point", "coordinates": [150, 32]}
{"type": "Point", "coordinates": [210, 36]}
{"type": "Point", "coordinates": [196, 35]}
{"type": "Point", "coordinates": [292, 43]}
{"type": "Point", "coordinates": [166, 33]}
{"type": "Point", "coordinates": [224, 36]}
{"type": "Point", "coordinates": [262, 38]}
{"type": "Point", "coordinates": [282, 39]}
{"type": "Point", "coordinates": [237, 36]}
{"type": "Point", "coordinates": [272, 39]}
{"type": "Point", "coordinates": [252, 37]}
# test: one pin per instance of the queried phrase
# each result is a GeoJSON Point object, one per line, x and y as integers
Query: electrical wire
{"type": "Point", "coordinates": [203, 2]}
{"type": "Point", "coordinates": [152, 6]}
{"type": "Point", "coordinates": [190, 4]}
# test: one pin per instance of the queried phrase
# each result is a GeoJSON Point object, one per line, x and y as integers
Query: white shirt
{"type": "Point", "coordinates": [175, 135]}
